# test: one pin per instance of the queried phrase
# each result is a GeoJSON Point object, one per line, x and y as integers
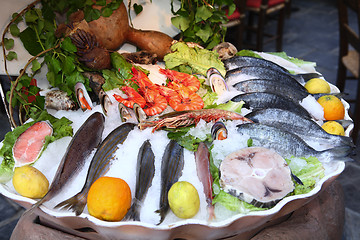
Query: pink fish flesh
{"type": "Point", "coordinates": [202, 159]}
{"type": "Point", "coordinates": [29, 144]}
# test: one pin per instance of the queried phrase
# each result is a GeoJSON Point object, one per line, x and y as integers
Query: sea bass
{"type": "Point", "coordinates": [145, 171]}
{"type": "Point", "coordinates": [99, 165]}
{"type": "Point", "coordinates": [86, 139]}
{"type": "Point", "coordinates": [202, 159]}
{"type": "Point", "coordinates": [288, 144]}
{"type": "Point", "coordinates": [171, 170]}
{"type": "Point", "coordinates": [261, 100]}
{"type": "Point", "coordinates": [305, 128]}
{"type": "Point", "coordinates": [258, 72]}
{"type": "Point", "coordinates": [296, 92]}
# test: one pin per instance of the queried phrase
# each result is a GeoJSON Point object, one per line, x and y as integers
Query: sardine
{"type": "Point", "coordinates": [305, 128]}
{"type": "Point", "coordinates": [202, 159]}
{"type": "Point", "coordinates": [171, 170]}
{"type": "Point", "coordinates": [99, 165]}
{"type": "Point", "coordinates": [247, 61]}
{"type": "Point", "coordinates": [145, 171]}
{"type": "Point", "coordinates": [261, 100]}
{"type": "Point", "coordinates": [86, 139]}
{"type": "Point", "coordinates": [257, 72]}
{"type": "Point", "coordinates": [296, 92]}
{"type": "Point", "coordinates": [288, 144]}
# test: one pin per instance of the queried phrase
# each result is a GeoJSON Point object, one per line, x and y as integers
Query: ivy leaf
{"type": "Point", "coordinates": [101, 2]}
{"type": "Point", "coordinates": [31, 16]}
{"type": "Point", "coordinates": [68, 46]}
{"type": "Point", "coordinates": [55, 65]}
{"type": "Point", "coordinates": [91, 14]}
{"type": "Point", "coordinates": [202, 14]}
{"type": "Point", "coordinates": [181, 22]}
{"type": "Point", "coordinates": [14, 30]}
{"type": "Point", "coordinates": [137, 8]}
{"type": "Point", "coordinates": [68, 65]}
{"type": "Point", "coordinates": [30, 41]}
{"type": "Point", "coordinates": [11, 56]}
{"type": "Point", "coordinates": [50, 76]}
{"type": "Point", "coordinates": [35, 65]}
{"type": "Point", "coordinates": [19, 19]}
{"type": "Point", "coordinates": [8, 43]}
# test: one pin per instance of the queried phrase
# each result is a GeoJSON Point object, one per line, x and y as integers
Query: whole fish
{"type": "Point", "coordinates": [288, 144]}
{"type": "Point", "coordinates": [261, 100]}
{"type": "Point", "coordinates": [99, 165]}
{"type": "Point", "coordinates": [145, 171]}
{"type": "Point", "coordinates": [85, 140]}
{"type": "Point", "coordinates": [305, 128]}
{"type": "Point", "coordinates": [247, 61]}
{"type": "Point", "coordinates": [295, 92]}
{"type": "Point", "coordinates": [202, 159]}
{"type": "Point", "coordinates": [257, 72]}
{"type": "Point", "coordinates": [171, 170]}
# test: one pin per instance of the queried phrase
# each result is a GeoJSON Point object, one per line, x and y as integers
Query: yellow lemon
{"type": "Point", "coordinates": [317, 85]}
{"type": "Point", "coordinates": [109, 199]}
{"type": "Point", "coordinates": [334, 127]}
{"type": "Point", "coordinates": [184, 199]}
{"type": "Point", "coordinates": [30, 182]}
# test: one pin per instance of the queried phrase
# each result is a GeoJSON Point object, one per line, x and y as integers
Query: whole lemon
{"type": "Point", "coordinates": [333, 107]}
{"type": "Point", "coordinates": [334, 127]}
{"type": "Point", "coordinates": [30, 182]}
{"type": "Point", "coordinates": [317, 85]}
{"type": "Point", "coordinates": [109, 199]}
{"type": "Point", "coordinates": [184, 199]}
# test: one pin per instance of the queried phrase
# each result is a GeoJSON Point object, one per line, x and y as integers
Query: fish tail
{"type": "Point", "coordinates": [342, 153]}
{"type": "Point", "coordinates": [211, 212]}
{"type": "Point", "coordinates": [133, 213]}
{"type": "Point", "coordinates": [75, 203]}
{"type": "Point", "coordinates": [162, 212]}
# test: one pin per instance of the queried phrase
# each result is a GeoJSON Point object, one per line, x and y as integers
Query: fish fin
{"type": "Point", "coordinates": [342, 153]}
{"type": "Point", "coordinates": [75, 203]}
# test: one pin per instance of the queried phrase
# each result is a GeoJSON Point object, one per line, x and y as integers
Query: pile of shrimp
{"type": "Point", "coordinates": [179, 93]}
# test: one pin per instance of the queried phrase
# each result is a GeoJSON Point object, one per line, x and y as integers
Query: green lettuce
{"type": "Point", "coordinates": [197, 60]}
{"type": "Point", "coordinates": [308, 170]}
{"type": "Point", "coordinates": [61, 128]}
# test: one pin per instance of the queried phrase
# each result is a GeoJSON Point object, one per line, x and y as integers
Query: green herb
{"type": "Point", "coordinates": [202, 21]}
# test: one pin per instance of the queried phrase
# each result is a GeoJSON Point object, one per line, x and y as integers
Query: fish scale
{"type": "Point", "coordinates": [171, 170]}
{"type": "Point", "coordinates": [99, 165]}
{"type": "Point", "coordinates": [288, 144]}
{"type": "Point", "coordinates": [145, 171]}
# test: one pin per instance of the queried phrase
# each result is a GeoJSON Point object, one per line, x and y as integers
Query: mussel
{"type": "Point", "coordinates": [83, 97]}
{"type": "Point", "coordinates": [216, 81]}
{"type": "Point", "coordinates": [219, 131]}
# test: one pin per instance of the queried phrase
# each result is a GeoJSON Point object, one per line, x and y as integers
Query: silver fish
{"type": "Point", "coordinates": [295, 92]}
{"type": "Point", "coordinates": [171, 170]}
{"type": "Point", "coordinates": [305, 128]}
{"type": "Point", "coordinates": [86, 139]}
{"type": "Point", "coordinates": [288, 144]}
{"type": "Point", "coordinates": [99, 165]}
{"type": "Point", "coordinates": [145, 171]}
{"type": "Point", "coordinates": [258, 72]}
{"type": "Point", "coordinates": [261, 100]}
{"type": "Point", "coordinates": [247, 61]}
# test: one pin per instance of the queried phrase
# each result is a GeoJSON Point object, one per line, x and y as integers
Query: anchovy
{"type": "Point", "coordinates": [247, 61]}
{"type": "Point", "coordinates": [305, 128]}
{"type": "Point", "coordinates": [99, 165]}
{"type": "Point", "coordinates": [261, 100]}
{"type": "Point", "coordinates": [288, 144]}
{"type": "Point", "coordinates": [145, 171]}
{"type": "Point", "coordinates": [171, 170]}
{"type": "Point", "coordinates": [295, 92]}
{"type": "Point", "coordinates": [257, 72]}
{"type": "Point", "coordinates": [86, 139]}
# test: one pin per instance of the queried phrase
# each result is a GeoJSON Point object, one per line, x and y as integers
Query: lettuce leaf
{"type": "Point", "coordinates": [308, 170]}
{"type": "Point", "coordinates": [198, 59]}
{"type": "Point", "coordinates": [61, 128]}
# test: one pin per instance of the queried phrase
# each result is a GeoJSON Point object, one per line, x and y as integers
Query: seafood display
{"type": "Point", "coordinates": [257, 175]}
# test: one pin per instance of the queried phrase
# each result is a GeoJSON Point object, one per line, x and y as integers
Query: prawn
{"type": "Point", "coordinates": [133, 97]}
{"type": "Point", "coordinates": [185, 79]}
